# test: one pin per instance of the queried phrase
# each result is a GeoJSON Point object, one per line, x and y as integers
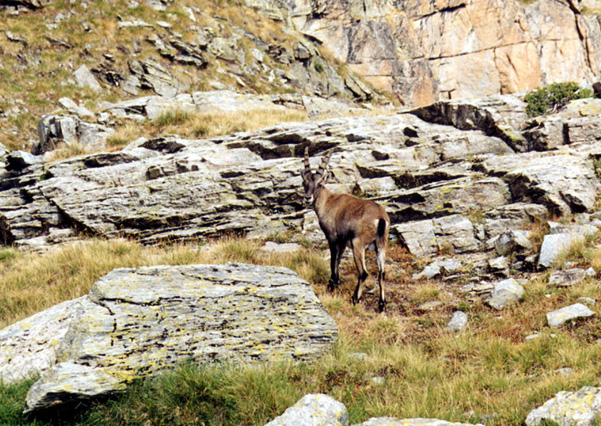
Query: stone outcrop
{"type": "Point", "coordinates": [424, 51]}
{"type": "Point", "coordinates": [136, 322]}
{"type": "Point", "coordinates": [447, 175]}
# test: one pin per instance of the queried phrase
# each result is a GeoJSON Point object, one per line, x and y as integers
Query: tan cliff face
{"type": "Point", "coordinates": [426, 50]}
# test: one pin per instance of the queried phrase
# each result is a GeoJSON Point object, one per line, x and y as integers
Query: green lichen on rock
{"type": "Point", "coordinates": [140, 321]}
{"type": "Point", "coordinates": [580, 408]}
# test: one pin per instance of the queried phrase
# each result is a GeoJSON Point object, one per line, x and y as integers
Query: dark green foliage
{"type": "Point", "coordinates": [551, 98]}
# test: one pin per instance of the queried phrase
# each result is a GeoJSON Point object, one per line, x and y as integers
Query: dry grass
{"type": "Point", "coordinates": [488, 373]}
{"type": "Point", "coordinates": [37, 72]}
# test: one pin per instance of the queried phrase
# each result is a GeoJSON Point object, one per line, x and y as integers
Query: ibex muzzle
{"type": "Point", "coordinates": [347, 220]}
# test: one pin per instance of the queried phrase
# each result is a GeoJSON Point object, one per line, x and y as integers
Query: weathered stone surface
{"type": "Point", "coordinates": [56, 129]}
{"type": "Point", "coordinates": [390, 421]}
{"type": "Point", "coordinates": [568, 277]}
{"type": "Point", "coordinates": [426, 238]}
{"type": "Point", "coordinates": [313, 410]}
{"type": "Point", "coordinates": [85, 78]}
{"type": "Point", "coordinates": [564, 183]}
{"type": "Point", "coordinates": [450, 182]}
{"type": "Point", "coordinates": [511, 241]}
{"type": "Point", "coordinates": [569, 408]}
{"type": "Point", "coordinates": [452, 49]}
{"type": "Point", "coordinates": [19, 160]}
{"type": "Point", "coordinates": [505, 293]}
{"type": "Point", "coordinates": [556, 245]}
{"type": "Point", "coordinates": [458, 321]}
{"type": "Point", "coordinates": [438, 267]}
{"type": "Point", "coordinates": [561, 316]}
{"type": "Point", "coordinates": [29, 346]}
{"type": "Point", "coordinates": [137, 322]}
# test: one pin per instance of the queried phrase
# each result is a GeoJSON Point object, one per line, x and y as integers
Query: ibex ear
{"type": "Point", "coordinates": [323, 178]}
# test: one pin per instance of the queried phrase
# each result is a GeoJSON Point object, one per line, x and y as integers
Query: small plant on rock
{"type": "Point", "coordinates": [550, 99]}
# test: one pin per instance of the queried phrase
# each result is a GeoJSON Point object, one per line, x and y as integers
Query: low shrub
{"type": "Point", "coordinates": [550, 99]}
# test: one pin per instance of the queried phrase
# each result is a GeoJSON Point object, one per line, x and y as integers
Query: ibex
{"type": "Point", "coordinates": [346, 219]}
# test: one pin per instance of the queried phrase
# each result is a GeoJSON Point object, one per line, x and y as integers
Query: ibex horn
{"type": "Point", "coordinates": [306, 161]}
{"type": "Point", "coordinates": [324, 163]}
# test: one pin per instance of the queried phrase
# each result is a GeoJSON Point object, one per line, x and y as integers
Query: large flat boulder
{"type": "Point", "coordinates": [137, 322]}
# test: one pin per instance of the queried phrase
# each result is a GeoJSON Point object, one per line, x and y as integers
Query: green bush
{"type": "Point", "coordinates": [551, 98]}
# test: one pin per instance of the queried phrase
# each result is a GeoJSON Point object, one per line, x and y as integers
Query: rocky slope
{"type": "Point", "coordinates": [453, 176]}
{"type": "Point", "coordinates": [118, 50]}
{"type": "Point", "coordinates": [424, 51]}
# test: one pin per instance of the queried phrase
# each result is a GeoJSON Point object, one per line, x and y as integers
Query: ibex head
{"type": "Point", "coordinates": [312, 182]}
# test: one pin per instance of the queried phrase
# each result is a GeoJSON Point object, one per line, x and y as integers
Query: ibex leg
{"type": "Point", "coordinates": [359, 255]}
{"type": "Point", "coordinates": [335, 256]}
{"type": "Point", "coordinates": [381, 257]}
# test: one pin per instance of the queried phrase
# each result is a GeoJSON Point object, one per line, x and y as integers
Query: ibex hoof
{"type": "Point", "coordinates": [381, 306]}
{"type": "Point", "coordinates": [332, 285]}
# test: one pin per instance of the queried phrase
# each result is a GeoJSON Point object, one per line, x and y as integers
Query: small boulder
{"type": "Point", "coordinates": [556, 245]}
{"type": "Point", "coordinates": [458, 321]}
{"type": "Point", "coordinates": [511, 241]}
{"type": "Point", "coordinates": [505, 292]}
{"type": "Point", "coordinates": [85, 78]}
{"type": "Point", "coordinates": [313, 410]}
{"type": "Point", "coordinates": [568, 277]}
{"type": "Point", "coordinates": [569, 408]}
{"type": "Point", "coordinates": [561, 316]}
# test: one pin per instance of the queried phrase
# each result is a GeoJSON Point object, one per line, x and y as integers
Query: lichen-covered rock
{"type": "Point", "coordinates": [579, 408]}
{"type": "Point", "coordinates": [313, 410]}
{"type": "Point", "coordinates": [561, 316]}
{"type": "Point", "coordinates": [29, 346]}
{"type": "Point", "coordinates": [390, 421]}
{"type": "Point", "coordinates": [136, 322]}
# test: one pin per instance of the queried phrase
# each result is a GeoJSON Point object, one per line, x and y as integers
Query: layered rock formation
{"type": "Point", "coordinates": [453, 176]}
{"type": "Point", "coordinates": [424, 51]}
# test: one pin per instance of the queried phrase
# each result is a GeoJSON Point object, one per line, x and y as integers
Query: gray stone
{"type": "Point", "coordinates": [313, 410]}
{"type": "Point", "coordinates": [19, 160]}
{"type": "Point", "coordinates": [505, 293]}
{"type": "Point", "coordinates": [438, 267]}
{"type": "Point", "coordinates": [568, 277]}
{"type": "Point", "coordinates": [458, 321]}
{"type": "Point", "coordinates": [555, 246]}
{"type": "Point", "coordinates": [391, 421]}
{"type": "Point", "coordinates": [136, 322]}
{"type": "Point", "coordinates": [589, 301]}
{"type": "Point", "coordinates": [74, 108]}
{"type": "Point", "coordinates": [511, 241]}
{"type": "Point", "coordinates": [561, 316]}
{"type": "Point", "coordinates": [271, 247]}
{"type": "Point", "coordinates": [569, 408]}
{"type": "Point", "coordinates": [455, 232]}
{"type": "Point", "coordinates": [499, 264]}
{"type": "Point", "coordinates": [28, 347]}
{"type": "Point", "coordinates": [85, 78]}
{"type": "Point", "coordinates": [564, 183]}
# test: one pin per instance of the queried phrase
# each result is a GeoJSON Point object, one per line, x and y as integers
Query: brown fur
{"type": "Point", "coordinates": [348, 220]}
